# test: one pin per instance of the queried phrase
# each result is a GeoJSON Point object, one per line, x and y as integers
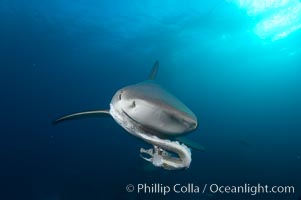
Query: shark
{"type": "Point", "coordinates": [149, 112]}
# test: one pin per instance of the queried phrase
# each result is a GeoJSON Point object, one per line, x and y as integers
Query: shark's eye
{"type": "Point", "coordinates": [119, 96]}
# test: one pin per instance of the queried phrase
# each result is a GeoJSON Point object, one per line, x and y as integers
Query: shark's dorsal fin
{"type": "Point", "coordinates": [154, 71]}
{"type": "Point", "coordinates": [93, 113]}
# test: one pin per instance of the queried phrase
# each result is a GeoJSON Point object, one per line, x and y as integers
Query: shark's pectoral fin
{"type": "Point", "coordinates": [191, 144]}
{"type": "Point", "coordinates": [153, 73]}
{"type": "Point", "coordinates": [94, 113]}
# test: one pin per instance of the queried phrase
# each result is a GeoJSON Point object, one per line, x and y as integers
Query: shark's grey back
{"type": "Point", "coordinates": [151, 91]}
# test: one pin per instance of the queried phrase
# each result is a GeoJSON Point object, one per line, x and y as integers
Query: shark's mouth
{"type": "Point", "coordinates": [130, 117]}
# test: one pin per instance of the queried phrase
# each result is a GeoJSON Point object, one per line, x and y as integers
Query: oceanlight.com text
{"type": "Point", "coordinates": [251, 189]}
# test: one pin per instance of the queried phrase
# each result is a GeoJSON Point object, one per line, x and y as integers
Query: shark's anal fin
{"type": "Point", "coordinates": [93, 113]}
{"type": "Point", "coordinates": [191, 144]}
{"type": "Point", "coordinates": [154, 71]}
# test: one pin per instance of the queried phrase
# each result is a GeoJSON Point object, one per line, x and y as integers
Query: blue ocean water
{"type": "Point", "coordinates": [62, 56]}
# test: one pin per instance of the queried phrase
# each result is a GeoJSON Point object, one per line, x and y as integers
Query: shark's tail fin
{"type": "Point", "coordinates": [154, 71]}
